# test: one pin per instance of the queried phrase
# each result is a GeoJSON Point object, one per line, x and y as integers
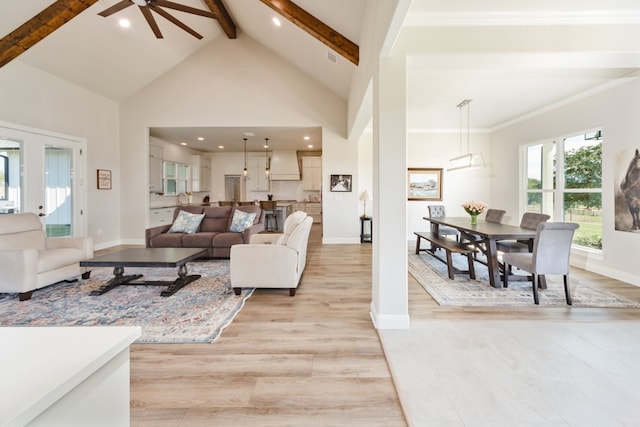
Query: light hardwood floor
{"type": "Point", "coordinates": [316, 360]}
{"type": "Point", "coordinates": [310, 360]}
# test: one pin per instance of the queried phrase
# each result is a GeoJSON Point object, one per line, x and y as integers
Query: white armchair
{"type": "Point", "coordinates": [30, 260]}
{"type": "Point", "coordinates": [273, 260]}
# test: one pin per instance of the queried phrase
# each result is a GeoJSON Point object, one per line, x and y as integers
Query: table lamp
{"type": "Point", "coordinates": [364, 196]}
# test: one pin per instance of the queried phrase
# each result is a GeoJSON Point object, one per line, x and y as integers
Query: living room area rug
{"type": "Point", "coordinates": [196, 313]}
{"type": "Point", "coordinates": [432, 276]}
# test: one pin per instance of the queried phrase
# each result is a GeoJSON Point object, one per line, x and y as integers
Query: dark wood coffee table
{"type": "Point", "coordinates": [146, 257]}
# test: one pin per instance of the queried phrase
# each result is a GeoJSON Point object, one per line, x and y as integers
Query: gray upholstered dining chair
{"type": "Point", "coordinates": [494, 215]}
{"type": "Point", "coordinates": [438, 211]}
{"type": "Point", "coordinates": [530, 221]}
{"type": "Point", "coordinates": [551, 252]}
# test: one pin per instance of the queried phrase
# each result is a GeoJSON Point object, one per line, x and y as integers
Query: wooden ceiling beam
{"type": "Point", "coordinates": [316, 28]}
{"type": "Point", "coordinates": [40, 26]}
{"type": "Point", "coordinates": [223, 17]}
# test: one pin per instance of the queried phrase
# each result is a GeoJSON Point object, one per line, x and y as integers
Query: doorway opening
{"type": "Point", "coordinates": [232, 187]}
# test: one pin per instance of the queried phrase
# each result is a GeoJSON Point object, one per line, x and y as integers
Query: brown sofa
{"type": "Point", "coordinates": [213, 233]}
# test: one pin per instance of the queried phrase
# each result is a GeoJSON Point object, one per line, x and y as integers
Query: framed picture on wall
{"type": "Point", "coordinates": [424, 184]}
{"type": "Point", "coordinates": [340, 183]}
{"type": "Point", "coordinates": [104, 179]}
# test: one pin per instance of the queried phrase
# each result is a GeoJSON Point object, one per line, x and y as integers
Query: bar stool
{"type": "Point", "coordinates": [270, 216]}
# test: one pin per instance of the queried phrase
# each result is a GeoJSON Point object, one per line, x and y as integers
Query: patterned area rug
{"type": "Point", "coordinates": [196, 313]}
{"type": "Point", "coordinates": [432, 275]}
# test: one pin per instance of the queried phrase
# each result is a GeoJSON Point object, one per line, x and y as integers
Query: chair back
{"type": "Point", "coordinates": [268, 205]}
{"type": "Point", "coordinates": [436, 211]}
{"type": "Point", "coordinates": [494, 215]}
{"type": "Point", "coordinates": [552, 247]}
{"type": "Point", "coordinates": [226, 203]}
{"type": "Point", "coordinates": [246, 203]}
{"type": "Point", "coordinates": [530, 220]}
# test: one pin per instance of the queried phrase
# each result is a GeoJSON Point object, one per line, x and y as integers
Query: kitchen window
{"type": "Point", "coordinates": [175, 176]}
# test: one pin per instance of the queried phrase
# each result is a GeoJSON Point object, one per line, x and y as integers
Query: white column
{"type": "Point", "coordinates": [389, 306]}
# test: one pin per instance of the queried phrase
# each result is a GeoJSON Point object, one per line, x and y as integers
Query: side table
{"type": "Point", "coordinates": [366, 229]}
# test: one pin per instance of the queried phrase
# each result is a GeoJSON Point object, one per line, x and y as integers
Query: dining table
{"type": "Point", "coordinates": [489, 233]}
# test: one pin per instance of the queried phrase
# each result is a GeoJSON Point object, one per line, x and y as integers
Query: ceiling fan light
{"type": "Point", "coordinates": [140, 2]}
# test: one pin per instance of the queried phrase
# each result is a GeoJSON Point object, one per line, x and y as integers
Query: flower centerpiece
{"type": "Point", "coordinates": [474, 209]}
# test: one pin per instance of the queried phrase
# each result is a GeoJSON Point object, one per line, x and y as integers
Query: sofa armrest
{"type": "Point", "coordinates": [265, 239]}
{"type": "Point", "coordinates": [19, 270]}
{"type": "Point", "coordinates": [263, 265]}
{"type": "Point", "coordinates": [250, 231]}
{"type": "Point", "coordinates": [84, 243]}
{"type": "Point", "coordinates": [152, 232]}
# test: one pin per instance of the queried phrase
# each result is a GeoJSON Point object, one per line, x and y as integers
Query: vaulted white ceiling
{"type": "Point", "coordinates": [511, 58]}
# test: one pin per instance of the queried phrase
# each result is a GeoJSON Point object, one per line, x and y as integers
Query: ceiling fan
{"type": "Point", "coordinates": [147, 6]}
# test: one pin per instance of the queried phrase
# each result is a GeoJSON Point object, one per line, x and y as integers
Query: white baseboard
{"type": "Point", "coordinates": [341, 241]}
{"type": "Point", "coordinates": [395, 321]}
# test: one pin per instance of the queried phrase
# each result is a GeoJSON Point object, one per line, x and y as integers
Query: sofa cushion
{"type": "Point", "coordinates": [226, 240]}
{"type": "Point", "coordinates": [241, 220]}
{"type": "Point", "coordinates": [186, 222]}
{"type": "Point", "coordinates": [167, 240]}
{"type": "Point", "coordinates": [216, 218]}
{"type": "Point", "coordinates": [202, 239]}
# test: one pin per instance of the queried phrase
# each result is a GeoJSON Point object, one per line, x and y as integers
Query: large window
{"type": "Point", "coordinates": [564, 180]}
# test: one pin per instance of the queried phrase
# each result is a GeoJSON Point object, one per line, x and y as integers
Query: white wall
{"type": "Point", "coordinates": [433, 150]}
{"type": "Point", "coordinates": [616, 111]}
{"type": "Point", "coordinates": [39, 100]}
{"type": "Point", "coordinates": [227, 83]}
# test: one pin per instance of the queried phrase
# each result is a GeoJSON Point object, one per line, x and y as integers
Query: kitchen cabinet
{"type": "Point", "coordinates": [160, 216]}
{"type": "Point", "coordinates": [314, 209]}
{"type": "Point", "coordinates": [155, 169]}
{"type": "Point", "coordinates": [257, 180]}
{"type": "Point", "coordinates": [200, 173]}
{"type": "Point", "coordinates": [312, 173]}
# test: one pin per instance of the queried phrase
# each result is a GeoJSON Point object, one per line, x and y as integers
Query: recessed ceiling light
{"type": "Point", "coordinates": [310, 146]}
{"type": "Point", "coordinates": [124, 23]}
{"type": "Point", "coordinates": [306, 138]}
{"type": "Point", "coordinates": [221, 146]}
{"type": "Point", "coordinates": [248, 134]}
{"type": "Point", "coordinates": [200, 138]}
{"type": "Point", "coordinates": [276, 21]}
{"type": "Point", "coordinates": [183, 143]}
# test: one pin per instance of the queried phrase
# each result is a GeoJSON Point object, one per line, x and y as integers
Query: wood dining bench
{"type": "Point", "coordinates": [449, 246]}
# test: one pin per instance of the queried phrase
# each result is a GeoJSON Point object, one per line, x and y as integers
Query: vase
{"type": "Point", "coordinates": [474, 219]}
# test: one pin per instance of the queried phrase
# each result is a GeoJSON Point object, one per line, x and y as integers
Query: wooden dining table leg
{"type": "Point", "coordinates": [492, 262]}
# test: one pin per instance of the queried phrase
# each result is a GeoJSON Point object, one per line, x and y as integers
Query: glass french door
{"type": "Point", "coordinates": [44, 176]}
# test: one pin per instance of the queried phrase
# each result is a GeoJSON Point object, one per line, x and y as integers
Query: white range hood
{"type": "Point", "coordinates": [284, 166]}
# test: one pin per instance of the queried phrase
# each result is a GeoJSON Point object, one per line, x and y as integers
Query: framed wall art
{"type": "Point", "coordinates": [340, 183]}
{"type": "Point", "coordinates": [104, 179]}
{"type": "Point", "coordinates": [424, 184]}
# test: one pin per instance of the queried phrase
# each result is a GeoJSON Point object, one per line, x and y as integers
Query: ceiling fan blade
{"type": "Point", "coordinates": [151, 21]}
{"type": "Point", "coordinates": [169, 17]}
{"type": "Point", "coordinates": [182, 8]}
{"type": "Point", "coordinates": [115, 8]}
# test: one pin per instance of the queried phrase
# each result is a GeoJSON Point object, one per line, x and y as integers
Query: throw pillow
{"type": "Point", "coordinates": [241, 220]}
{"type": "Point", "coordinates": [186, 223]}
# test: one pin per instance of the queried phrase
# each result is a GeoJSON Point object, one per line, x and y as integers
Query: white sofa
{"type": "Point", "coordinates": [30, 260]}
{"type": "Point", "coordinates": [273, 260]}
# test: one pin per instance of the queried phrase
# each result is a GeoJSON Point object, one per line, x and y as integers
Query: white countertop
{"type": "Point", "coordinates": [42, 364]}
